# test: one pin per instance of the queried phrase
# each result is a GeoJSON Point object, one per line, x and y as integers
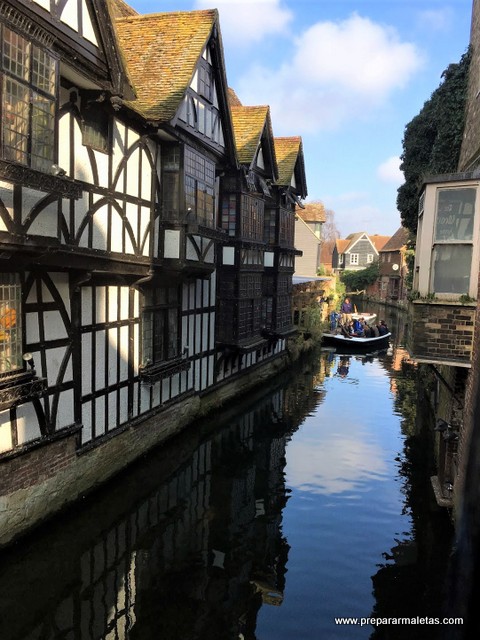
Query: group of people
{"type": "Point", "coordinates": [360, 329]}
{"type": "Point", "coordinates": [357, 327]}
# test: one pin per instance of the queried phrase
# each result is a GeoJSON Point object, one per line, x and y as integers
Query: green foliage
{"type": "Point", "coordinates": [432, 139]}
{"type": "Point", "coordinates": [358, 280]}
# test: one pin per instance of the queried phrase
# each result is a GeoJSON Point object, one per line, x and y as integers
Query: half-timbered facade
{"type": "Point", "coordinates": [119, 176]}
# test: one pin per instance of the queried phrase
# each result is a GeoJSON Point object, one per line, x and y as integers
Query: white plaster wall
{"type": "Point", "coordinates": [171, 244]}
{"type": "Point", "coordinates": [5, 431]}
{"type": "Point", "coordinates": [86, 363]}
{"type": "Point", "coordinates": [87, 27]}
{"type": "Point", "coordinates": [100, 229]}
{"type": "Point", "coordinates": [229, 255]}
{"type": "Point", "coordinates": [116, 232]}
{"type": "Point", "coordinates": [100, 360]}
{"type": "Point", "coordinates": [269, 258]}
{"type": "Point", "coordinates": [65, 416]}
{"type": "Point", "coordinates": [6, 195]}
{"type": "Point", "coordinates": [112, 410]}
{"type": "Point", "coordinates": [70, 14]}
{"type": "Point", "coordinates": [100, 415]}
{"type": "Point", "coordinates": [32, 328]}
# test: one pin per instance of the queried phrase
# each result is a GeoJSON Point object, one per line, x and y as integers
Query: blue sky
{"type": "Point", "coordinates": [346, 75]}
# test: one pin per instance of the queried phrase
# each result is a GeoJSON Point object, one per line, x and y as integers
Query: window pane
{"type": "Point", "coordinates": [455, 212]}
{"type": "Point", "coordinates": [451, 269]}
{"type": "Point", "coordinates": [10, 323]}
{"type": "Point", "coordinates": [15, 124]}
{"type": "Point", "coordinates": [43, 120]}
{"type": "Point", "coordinates": [15, 54]}
{"type": "Point", "coordinates": [43, 71]}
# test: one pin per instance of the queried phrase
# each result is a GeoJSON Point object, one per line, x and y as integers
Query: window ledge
{"type": "Point", "coordinates": [20, 174]}
{"type": "Point", "coordinates": [150, 374]}
{"type": "Point", "coordinates": [20, 388]}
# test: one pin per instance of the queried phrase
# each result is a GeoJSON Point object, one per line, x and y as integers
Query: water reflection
{"type": "Point", "coordinates": [318, 477]}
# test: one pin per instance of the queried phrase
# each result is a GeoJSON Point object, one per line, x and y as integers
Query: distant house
{"type": "Point", "coordinates": [357, 251]}
{"type": "Point", "coordinates": [393, 268]}
{"type": "Point", "coordinates": [326, 253]}
{"type": "Point", "coordinates": [308, 238]}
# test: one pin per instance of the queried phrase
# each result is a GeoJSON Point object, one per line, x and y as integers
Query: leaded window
{"type": "Point", "coordinates": [160, 325]}
{"type": "Point", "coordinates": [29, 80]}
{"type": "Point", "coordinates": [10, 323]}
{"type": "Point", "coordinates": [199, 187]}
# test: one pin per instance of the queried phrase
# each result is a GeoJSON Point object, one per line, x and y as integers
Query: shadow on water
{"type": "Point", "coordinates": [188, 543]}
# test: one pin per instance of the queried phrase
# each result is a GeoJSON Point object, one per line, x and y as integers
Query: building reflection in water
{"type": "Point", "coordinates": [186, 544]}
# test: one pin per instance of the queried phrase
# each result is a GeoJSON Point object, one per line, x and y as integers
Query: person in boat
{"type": "Point", "coordinates": [369, 331]}
{"type": "Point", "coordinates": [346, 311]}
{"type": "Point", "coordinates": [359, 328]}
{"type": "Point", "coordinates": [334, 316]}
{"type": "Point", "coordinates": [382, 328]}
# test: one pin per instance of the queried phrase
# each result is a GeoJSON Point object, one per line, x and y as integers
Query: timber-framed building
{"type": "Point", "coordinates": [146, 253]}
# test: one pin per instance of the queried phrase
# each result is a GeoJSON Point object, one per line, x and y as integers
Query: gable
{"type": "Point", "coordinates": [254, 139]}
{"type": "Point", "coordinates": [291, 166]}
{"type": "Point", "coordinates": [83, 37]}
{"type": "Point", "coordinates": [200, 108]}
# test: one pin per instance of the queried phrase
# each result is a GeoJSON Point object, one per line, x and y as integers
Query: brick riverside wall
{"type": "Point", "coordinates": [44, 480]}
{"type": "Point", "coordinates": [36, 465]}
{"type": "Point", "coordinates": [441, 331]}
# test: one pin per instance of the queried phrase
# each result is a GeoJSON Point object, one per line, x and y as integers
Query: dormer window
{"type": "Point", "coordinates": [29, 80]}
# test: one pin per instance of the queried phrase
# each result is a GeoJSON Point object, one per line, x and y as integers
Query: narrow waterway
{"type": "Point", "coordinates": [309, 503]}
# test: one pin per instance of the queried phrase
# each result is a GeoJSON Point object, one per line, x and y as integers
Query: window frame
{"type": "Point", "coordinates": [40, 102]}
{"type": "Point", "coordinates": [160, 306]}
{"type": "Point", "coordinates": [9, 322]}
{"type": "Point", "coordinates": [354, 259]}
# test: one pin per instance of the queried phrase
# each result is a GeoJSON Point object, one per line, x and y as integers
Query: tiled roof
{"type": "Point", "coordinates": [326, 252]}
{"type": "Point", "coordinates": [248, 126]}
{"type": "Point", "coordinates": [379, 241]}
{"type": "Point", "coordinates": [233, 99]}
{"type": "Point", "coordinates": [313, 212]}
{"type": "Point", "coordinates": [161, 51]}
{"type": "Point", "coordinates": [341, 245]}
{"type": "Point", "coordinates": [121, 9]}
{"type": "Point", "coordinates": [288, 151]}
{"type": "Point", "coordinates": [397, 241]}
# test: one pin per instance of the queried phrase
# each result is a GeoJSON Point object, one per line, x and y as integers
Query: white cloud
{"type": "Point", "coordinates": [389, 171]}
{"type": "Point", "coordinates": [332, 466]}
{"type": "Point", "coordinates": [244, 22]}
{"type": "Point", "coordinates": [337, 70]}
{"type": "Point", "coordinates": [436, 20]}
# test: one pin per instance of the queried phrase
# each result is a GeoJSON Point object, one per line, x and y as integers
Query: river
{"type": "Point", "coordinates": [309, 502]}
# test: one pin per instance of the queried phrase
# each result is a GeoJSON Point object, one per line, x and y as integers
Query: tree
{"type": "Point", "coordinates": [433, 138]}
{"type": "Point", "coordinates": [329, 229]}
{"type": "Point", "coordinates": [359, 280]}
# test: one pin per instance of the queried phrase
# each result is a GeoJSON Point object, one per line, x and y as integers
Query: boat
{"type": "Point", "coordinates": [368, 317]}
{"type": "Point", "coordinates": [354, 343]}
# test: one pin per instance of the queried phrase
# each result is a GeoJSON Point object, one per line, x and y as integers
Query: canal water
{"type": "Point", "coordinates": [309, 502]}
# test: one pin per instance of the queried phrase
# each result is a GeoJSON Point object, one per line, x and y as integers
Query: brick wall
{"type": "Point", "coordinates": [442, 332]}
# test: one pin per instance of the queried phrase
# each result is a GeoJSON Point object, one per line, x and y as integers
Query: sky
{"type": "Point", "coordinates": [345, 75]}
